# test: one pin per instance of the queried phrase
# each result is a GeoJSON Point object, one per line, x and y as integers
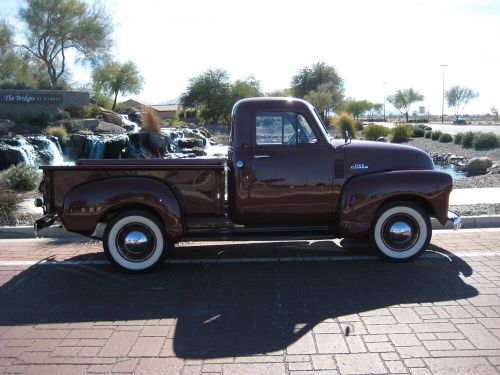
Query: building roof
{"type": "Point", "coordinates": [166, 107]}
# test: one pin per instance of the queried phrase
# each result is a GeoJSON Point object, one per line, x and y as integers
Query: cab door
{"type": "Point", "coordinates": [290, 175]}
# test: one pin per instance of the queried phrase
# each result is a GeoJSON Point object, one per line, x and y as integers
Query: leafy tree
{"type": "Point", "coordinates": [310, 78]}
{"type": "Point", "coordinates": [356, 107]}
{"type": "Point", "coordinates": [375, 109]}
{"type": "Point", "coordinates": [321, 98]}
{"type": "Point", "coordinates": [402, 100]}
{"type": "Point", "coordinates": [240, 89]}
{"type": "Point", "coordinates": [17, 70]}
{"type": "Point", "coordinates": [280, 93]}
{"type": "Point", "coordinates": [458, 97]}
{"type": "Point", "coordinates": [55, 26]}
{"type": "Point", "coordinates": [210, 92]}
{"type": "Point", "coordinates": [115, 78]}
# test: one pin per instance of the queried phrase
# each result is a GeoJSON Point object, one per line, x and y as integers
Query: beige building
{"type": "Point", "coordinates": [164, 111]}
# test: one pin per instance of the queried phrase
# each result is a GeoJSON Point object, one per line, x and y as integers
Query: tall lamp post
{"type": "Point", "coordinates": [442, 102]}
{"type": "Point", "coordinates": [384, 83]}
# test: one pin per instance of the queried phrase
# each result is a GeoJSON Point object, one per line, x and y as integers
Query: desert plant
{"type": "Point", "coordinates": [436, 134]}
{"type": "Point", "coordinates": [359, 126]}
{"type": "Point", "coordinates": [401, 132]}
{"type": "Point", "coordinates": [345, 123]}
{"type": "Point", "coordinates": [457, 138]}
{"type": "Point", "coordinates": [58, 131]}
{"type": "Point", "coordinates": [20, 177]}
{"type": "Point", "coordinates": [467, 139]}
{"type": "Point", "coordinates": [59, 115]}
{"type": "Point", "coordinates": [150, 121]}
{"type": "Point", "coordinates": [428, 134]}
{"type": "Point", "coordinates": [485, 140]}
{"type": "Point", "coordinates": [418, 131]}
{"type": "Point", "coordinates": [83, 111]}
{"type": "Point", "coordinates": [8, 202]}
{"type": "Point", "coordinates": [373, 132]}
{"type": "Point", "coordinates": [445, 138]}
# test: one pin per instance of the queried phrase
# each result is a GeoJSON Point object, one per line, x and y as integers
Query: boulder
{"type": "Point", "coordinates": [75, 125]}
{"type": "Point", "coordinates": [478, 165]}
{"type": "Point", "coordinates": [107, 127]}
{"type": "Point", "coordinates": [113, 147]}
{"type": "Point", "coordinates": [6, 125]}
{"type": "Point", "coordinates": [112, 117]}
{"type": "Point", "coordinates": [9, 156]}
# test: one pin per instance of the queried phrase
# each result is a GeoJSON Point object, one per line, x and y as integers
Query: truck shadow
{"type": "Point", "coordinates": [230, 309]}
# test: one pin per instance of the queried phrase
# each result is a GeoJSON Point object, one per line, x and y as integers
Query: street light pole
{"type": "Point", "coordinates": [442, 102]}
{"type": "Point", "coordinates": [385, 83]}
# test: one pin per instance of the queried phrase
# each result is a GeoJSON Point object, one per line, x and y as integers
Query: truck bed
{"type": "Point", "coordinates": [198, 182]}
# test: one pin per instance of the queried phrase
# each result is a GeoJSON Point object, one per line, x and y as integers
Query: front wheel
{"type": "Point", "coordinates": [401, 231]}
{"type": "Point", "coordinates": [135, 241]}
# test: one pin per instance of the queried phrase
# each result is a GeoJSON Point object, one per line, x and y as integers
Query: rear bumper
{"type": "Point", "coordinates": [455, 219]}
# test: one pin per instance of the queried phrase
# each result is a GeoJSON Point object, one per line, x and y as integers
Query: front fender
{"type": "Point", "coordinates": [86, 204]}
{"type": "Point", "coordinates": [363, 195]}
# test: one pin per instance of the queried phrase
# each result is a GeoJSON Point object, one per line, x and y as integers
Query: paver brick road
{"type": "Point", "coordinates": [252, 308]}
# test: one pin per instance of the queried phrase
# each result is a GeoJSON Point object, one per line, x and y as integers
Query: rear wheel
{"type": "Point", "coordinates": [401, 231]}
{"type": "Point", "coordinates": [135, 241]}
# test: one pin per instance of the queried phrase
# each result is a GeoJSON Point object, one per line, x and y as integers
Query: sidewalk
{"type": "Point", "coordinates": [475, 196]}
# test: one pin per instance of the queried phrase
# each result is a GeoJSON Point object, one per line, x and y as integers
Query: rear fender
{"type": "Point", "coordinates": [363, 195]}
{"type": "Point", "coordinates": [87, 204]}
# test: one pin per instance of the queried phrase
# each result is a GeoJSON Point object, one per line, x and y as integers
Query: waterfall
{"type": "Point", "coordinates": [27, 151]}
{"type": "Point", "coordinates": [48, 149]}
{"type": "Point", "coordinates": [94, 147]}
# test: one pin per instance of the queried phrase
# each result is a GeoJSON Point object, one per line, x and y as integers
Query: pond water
{"type": "Point", "coordinates": [451, 169]}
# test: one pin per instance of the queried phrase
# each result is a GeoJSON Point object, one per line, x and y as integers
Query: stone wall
{"type": "Point", "coordinates": [23, 105]}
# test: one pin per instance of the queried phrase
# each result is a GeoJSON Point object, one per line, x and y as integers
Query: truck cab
{"type": "Point", "coordinates": [284, 174]}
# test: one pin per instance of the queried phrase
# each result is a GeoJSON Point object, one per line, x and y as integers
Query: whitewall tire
{"type": "Point", "coordinates": [401, 231]}
{"type": "Point", "coordinates": [135, 241]}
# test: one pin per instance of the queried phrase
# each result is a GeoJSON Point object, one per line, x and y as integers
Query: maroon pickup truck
{"type": "Point", "coordinates": [283, 174]}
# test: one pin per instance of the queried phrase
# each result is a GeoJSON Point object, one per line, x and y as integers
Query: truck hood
{"type": "Point", "coordinates": [368, 156]}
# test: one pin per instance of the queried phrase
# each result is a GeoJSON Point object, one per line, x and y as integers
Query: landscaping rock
{"type": "Point", "coordinates": [112, 117]}
{"type": "Point", "coordinates": [9, 155]}
{"type": "Point", "coordinates": [479, 165]}
{"type": "Point", "coordinates": [107, 127]}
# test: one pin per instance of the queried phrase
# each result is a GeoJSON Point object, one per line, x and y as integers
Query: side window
{"type": "Point", "coordinates": [282, 128]}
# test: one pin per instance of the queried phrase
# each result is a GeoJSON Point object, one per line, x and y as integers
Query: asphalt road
{"type": "Point", "coordinates": [252, 307]}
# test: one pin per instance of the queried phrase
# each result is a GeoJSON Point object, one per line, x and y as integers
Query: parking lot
{"type": "Point", "coordinates": [252, 307]}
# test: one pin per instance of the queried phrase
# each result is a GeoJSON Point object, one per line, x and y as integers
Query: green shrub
{"type": "Point", "coordinates": [485, 140]}
{"type": "Point", "coordinates": [427, 128]}
{"type": "Point", "coordinates": [83, 111]}
{"type": "Point", "coordinates": [467, 139]}
{"type": "Point", "coordinates": [345, 123]}
{"type": "Point", "coordinates": [445, 138]}
{"type": "Point", "coordinates": [418, 132]}
{"type": "Point", "coordinates": [428, 134]}
{"type": "Point", "coordinates": [401, 132]}
{"type": "Point", "coordinates": [21, 177]}
{"type": "Point", "coordinates": [373, 132]}
{"type": "Point", "coordinates": [436, 134]}
{"type": "Point", "coordinates": [60, 115]}
{"type": "Point", "coordinates": [58, 131]}
{"type": "Point", "coordinates": [359, 126]}
{"type": "Point", "coordinates": [457, 138]}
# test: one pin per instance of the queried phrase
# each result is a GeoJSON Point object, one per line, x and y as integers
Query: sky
{"type": "Point", "coordinates": [401, 43]}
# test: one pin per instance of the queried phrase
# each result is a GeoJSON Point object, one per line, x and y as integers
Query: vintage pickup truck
{"type": "Point", "coordinates": [283, 174]}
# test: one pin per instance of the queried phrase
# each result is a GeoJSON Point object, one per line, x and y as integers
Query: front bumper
{"type": "Point", "coordinates": [455, 219]}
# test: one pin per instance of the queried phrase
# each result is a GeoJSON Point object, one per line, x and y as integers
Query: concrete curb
{"type": "Point", "coordinates": [468, 222]}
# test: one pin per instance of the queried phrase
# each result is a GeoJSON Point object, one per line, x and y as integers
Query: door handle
{"type": "Point", "coordinates": [261, 156]}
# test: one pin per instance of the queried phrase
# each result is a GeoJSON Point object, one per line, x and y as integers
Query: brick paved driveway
{"type": "Point", "coordinates": [252, 308]}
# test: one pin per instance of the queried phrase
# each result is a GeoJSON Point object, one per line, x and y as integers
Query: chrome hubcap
{"type": "Point", "coordinates": [136, 242]}
{"type": "Point", "coordinates": [400, 232]}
